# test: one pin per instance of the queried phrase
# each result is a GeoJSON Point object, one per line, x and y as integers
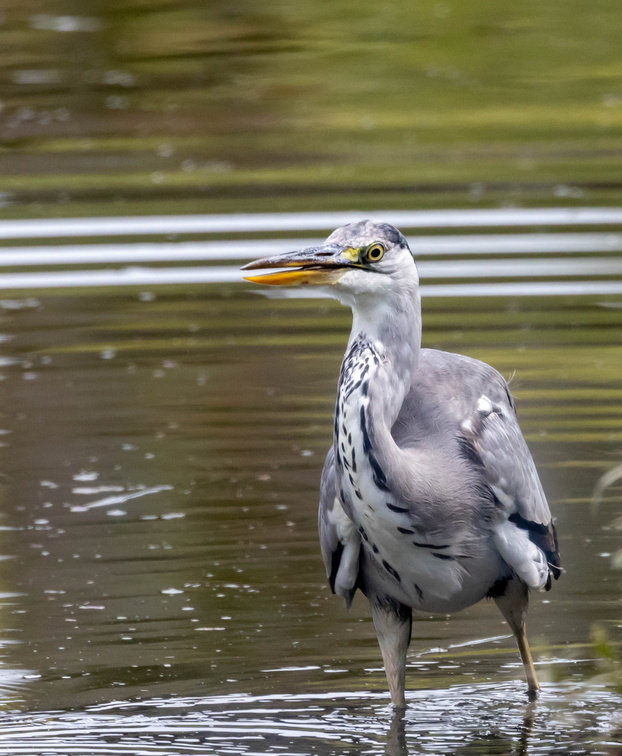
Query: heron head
{"type": "Point", "coordinates": [358, 259]}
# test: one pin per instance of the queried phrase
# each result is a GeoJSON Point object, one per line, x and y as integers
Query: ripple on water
{"type": "Point", "coordinates": [483, 719]}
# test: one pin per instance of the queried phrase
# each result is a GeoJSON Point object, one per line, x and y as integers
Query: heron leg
{"type": "Point", "coordinates": [393, 624]}
{"type": "Point", "coordinates": [513, 604]}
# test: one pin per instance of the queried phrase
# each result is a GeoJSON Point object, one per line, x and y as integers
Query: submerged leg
{"type": "Point", "coordinates": [393, 623]}
{"type": "Point", "coordinates": [513, 605]}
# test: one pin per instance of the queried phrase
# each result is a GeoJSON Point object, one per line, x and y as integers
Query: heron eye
{"type": "Point", "coordinates": [374, 252]}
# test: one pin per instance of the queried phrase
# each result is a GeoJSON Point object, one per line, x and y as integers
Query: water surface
{"type": "Point", "coordinates": [162, 589]}
{"type": "Point", "coordinates": [163, 424]}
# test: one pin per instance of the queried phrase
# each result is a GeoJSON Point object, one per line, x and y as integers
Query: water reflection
{"type": "Point", "coordinates": [485, 721]}
{"type": "Point", "coordinates": [249, 223]}
{"type": "Point", "coordinates": [489, 741]}
{"type": "Point", "coordinates": [451, 265]}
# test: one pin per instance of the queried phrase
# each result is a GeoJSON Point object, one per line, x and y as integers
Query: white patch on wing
{"type": "Point", "coordinates": [484, 405]}
{"type": "Point", "coordinates": [523, 556]}
{"type": "Point", "coordinates": [483, 409]}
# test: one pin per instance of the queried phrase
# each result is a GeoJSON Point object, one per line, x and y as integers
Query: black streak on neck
{"type": "Point", "coordinates": [380, 479]}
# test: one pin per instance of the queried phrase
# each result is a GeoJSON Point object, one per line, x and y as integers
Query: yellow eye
{"type": "Point", "coordinates": [374, 252]}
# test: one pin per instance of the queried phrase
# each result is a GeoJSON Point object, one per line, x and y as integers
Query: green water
{"type": "Point", "coordinates": [166, 107]}
{"type": "Point", "coordinates": [161, 589]}
{"type": "Point", "coordinates": [215, 405]}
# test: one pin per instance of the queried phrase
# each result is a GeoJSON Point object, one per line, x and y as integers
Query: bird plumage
{"type": "Point", "coordinates": [429, 496]}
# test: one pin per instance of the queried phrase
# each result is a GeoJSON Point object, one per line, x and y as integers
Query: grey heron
{"type": "Point", "coordinates": [429, 497]}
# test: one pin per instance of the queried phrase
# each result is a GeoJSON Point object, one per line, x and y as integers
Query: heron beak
{"type": "Point", "coordinates": [316, 265]}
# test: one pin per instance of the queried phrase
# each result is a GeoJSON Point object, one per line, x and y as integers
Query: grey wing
{"type": "Point", "coordinates": [492, 439]}
{"type": "Point", "coordinates": [339, 540]}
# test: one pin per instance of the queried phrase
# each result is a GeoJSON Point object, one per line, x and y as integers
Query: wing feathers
{"type": "Point", "coordinates": [492, 440]}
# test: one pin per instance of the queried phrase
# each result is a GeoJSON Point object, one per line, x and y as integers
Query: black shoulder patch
{"type": "Point", "coordinates": [529, 525]}
{"type": "Point", "coordinates": [545, 538]}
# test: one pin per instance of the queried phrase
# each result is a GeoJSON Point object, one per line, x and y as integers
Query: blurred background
{"type": "Point", "coordinates": [163, 423]}
{"type": "Point", "coordinates": [148, 106]}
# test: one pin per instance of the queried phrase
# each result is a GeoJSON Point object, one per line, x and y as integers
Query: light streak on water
{"type": "Point", "coordinates": [422, 246]}
{"type": "Point", "coordinates": [137, 276]}
{"type": "Point", "coordinates": [530, 264]}
{"type": "Point", "coordinates": [270, 222]}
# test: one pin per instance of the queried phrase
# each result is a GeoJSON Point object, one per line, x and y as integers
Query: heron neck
{"type": "Point", "coordinates": [376, 374]}
{"type": "Point", "coordinates": [395, 334]}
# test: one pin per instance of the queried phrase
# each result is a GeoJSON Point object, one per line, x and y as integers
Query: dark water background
{"type": "Point", "coordinates": [163, 423]}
